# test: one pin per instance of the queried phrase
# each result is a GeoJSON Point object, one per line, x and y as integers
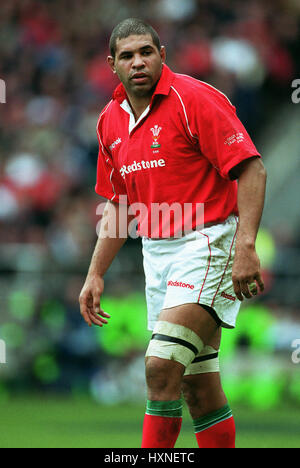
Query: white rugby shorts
{"type": "Point", "coordinates": [196, 268]}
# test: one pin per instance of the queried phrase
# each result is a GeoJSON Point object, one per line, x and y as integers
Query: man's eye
{"type": "Point", "coordinates": [147, 52]}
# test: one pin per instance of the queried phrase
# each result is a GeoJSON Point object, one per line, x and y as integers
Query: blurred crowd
{"type": "Point", "coordinates": [53, 61]}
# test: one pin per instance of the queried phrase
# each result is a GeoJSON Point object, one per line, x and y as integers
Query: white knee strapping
{"type": "Point", "coordinates": [205, 362]}
{"type": "Point", "coordinates": [174, 342]}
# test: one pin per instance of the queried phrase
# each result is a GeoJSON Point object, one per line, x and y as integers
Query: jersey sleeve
{"type": "Point", "coordinates": [223, 139]}
{"type": "Point", "coordinates": [109, 183]}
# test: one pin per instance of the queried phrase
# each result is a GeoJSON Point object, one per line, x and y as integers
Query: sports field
{"type": "Point", "coordinates": [40, 422]}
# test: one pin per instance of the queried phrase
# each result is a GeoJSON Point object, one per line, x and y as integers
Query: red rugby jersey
{"type": "Point", "coordinates": [180, 152]}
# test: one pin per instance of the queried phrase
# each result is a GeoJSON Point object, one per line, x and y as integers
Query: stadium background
{"type": "Point", "coordinates": [65, 385]}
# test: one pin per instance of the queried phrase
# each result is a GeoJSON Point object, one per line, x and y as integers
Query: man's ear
{"type": "Point", "coordinates": [163, 54]}
{"type": "Point", "coordinates": [111, 62]}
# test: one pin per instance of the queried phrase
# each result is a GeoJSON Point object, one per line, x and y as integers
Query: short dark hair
{"type": "Point", "coordinates": [130, 27]}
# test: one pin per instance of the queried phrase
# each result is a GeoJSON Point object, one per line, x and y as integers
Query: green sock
{"type": "Point", "coordinates": [164, 408]}
{"type": "Point", "coordinates": [162, 424]}
{"type": "Point", "coordinates": [200, 424]}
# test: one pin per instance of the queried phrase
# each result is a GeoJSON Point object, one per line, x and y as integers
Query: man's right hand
{"type": "Point", "coordinates": [89, 300]}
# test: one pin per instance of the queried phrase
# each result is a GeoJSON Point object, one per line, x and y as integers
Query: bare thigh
{"type": "Point", "coordinates": [194, 317]}
{"type": "Point", "coordinates": [164, 377]}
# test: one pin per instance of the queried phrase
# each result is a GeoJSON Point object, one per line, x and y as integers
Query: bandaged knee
{"type": "Point", "coordinates": [205, 362]}
{"type": "Point", "coordinates": [175, 343]}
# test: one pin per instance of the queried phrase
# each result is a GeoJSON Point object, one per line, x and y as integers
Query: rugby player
{"type": "Point", "coordinates": [169, 138]}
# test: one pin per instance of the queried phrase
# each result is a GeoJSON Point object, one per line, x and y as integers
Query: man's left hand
{"type": "Point", "coordinates": [246, 273]}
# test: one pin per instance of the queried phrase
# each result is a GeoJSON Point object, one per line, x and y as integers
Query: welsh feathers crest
{"type": "Point", "coordinates": [156, 133]}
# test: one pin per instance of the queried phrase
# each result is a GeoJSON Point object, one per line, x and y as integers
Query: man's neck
{"type": "Point", "coordinates": [139, 105]}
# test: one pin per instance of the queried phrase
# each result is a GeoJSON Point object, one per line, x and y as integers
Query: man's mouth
{"type": "Point", "coordinates": [140, 78]}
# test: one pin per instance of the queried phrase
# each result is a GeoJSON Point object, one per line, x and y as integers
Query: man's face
{"type": "Point", "coordinates": [138, 64]}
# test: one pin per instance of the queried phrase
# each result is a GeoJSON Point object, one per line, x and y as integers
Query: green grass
{"type": "Point", "coordinates": [40, 422]}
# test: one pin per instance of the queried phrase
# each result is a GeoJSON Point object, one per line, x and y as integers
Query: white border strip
{"type": "Point", "coordinates": [211, 86]}
{"type": "Point", "coordinates": [102, 147]}
{"type": "Point", "coordinates": [185, 114]}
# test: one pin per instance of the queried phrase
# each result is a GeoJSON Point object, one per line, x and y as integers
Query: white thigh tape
{"type": "Point", "coordinates": [174, 342]}
{"type": "Point", "coordinates": [205, 362]}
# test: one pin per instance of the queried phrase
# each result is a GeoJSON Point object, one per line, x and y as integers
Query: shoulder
{"type": "Point", "coordinates": [105, 112]}
{"type": "Point", "coordinates": [104, 117]}
{"type": "Point", "coordinates": [191, 92]}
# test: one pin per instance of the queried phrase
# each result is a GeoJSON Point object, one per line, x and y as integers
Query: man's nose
{"type": "Point", "coordinates": [138, 61]}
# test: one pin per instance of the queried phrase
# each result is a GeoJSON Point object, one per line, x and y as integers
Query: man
{"type": "Point", "coordinates": [168, 138]}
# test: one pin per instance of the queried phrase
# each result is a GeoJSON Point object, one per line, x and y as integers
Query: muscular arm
{"type": "Point", "coordinates": [251, 196]}
{"type": "Point", "coordinates": [110, 240]}
{"type": "Point", "coordinates": [108, 245]}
